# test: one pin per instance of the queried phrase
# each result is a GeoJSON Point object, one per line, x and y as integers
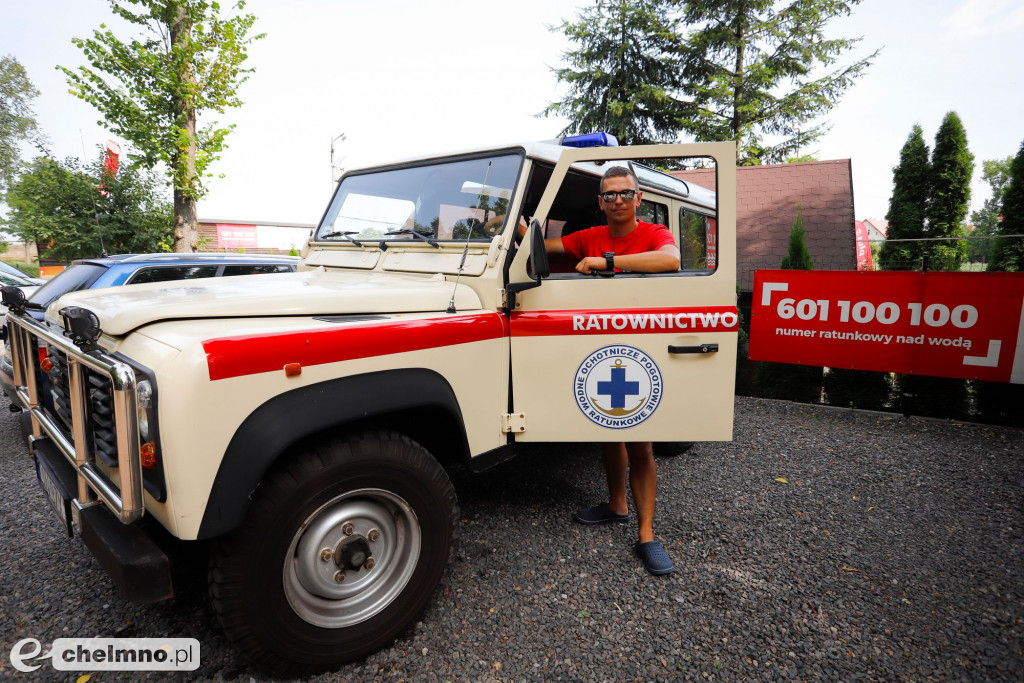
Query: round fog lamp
{"type": "Point", "coordinates": [144, 392]}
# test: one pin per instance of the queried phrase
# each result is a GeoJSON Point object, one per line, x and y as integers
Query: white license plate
{"type": "Point", "coordinates": [61, 505]}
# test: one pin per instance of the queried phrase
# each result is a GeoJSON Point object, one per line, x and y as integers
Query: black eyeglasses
{"type": "Point", "coordinates": [609, 197]}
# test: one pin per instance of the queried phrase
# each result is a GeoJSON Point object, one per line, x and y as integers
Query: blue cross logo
{"type": "Point", "coordinates": [618, 387]}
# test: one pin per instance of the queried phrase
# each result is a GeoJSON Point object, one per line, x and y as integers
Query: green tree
{"type": "Point", "coordinates": [952, 167]}
{"type": "Point", "coordinates": [622, 72]}
{"type": "Point", "coordinates": [908, 206]}
{"type": "Point", "coordinates": [798, 257]}
{"type": "Point", "coordinates": [780, 380]}
{"type": "Point", "coordinates": [945, 182]}
{"type": "Point", "coordinates": [151, 89]}
{"type": "Point", "coordinates": [1008, 252]}
{"type": "Point", "coordinates": [998, 402]}
{"type": "Point", "coordinates": [751, 73]}
{"type": "Point", "coordinates": [995, 172]}
{"type": "Point", "coordinates": [17, 121]}
{"type": "Point", "coordinates": [58, 206]}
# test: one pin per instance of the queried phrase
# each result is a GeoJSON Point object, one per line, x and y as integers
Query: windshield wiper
{"type": "Point", "coordinates": [346, 234]}
{"type": "Point", "coordinates": [425, 236]}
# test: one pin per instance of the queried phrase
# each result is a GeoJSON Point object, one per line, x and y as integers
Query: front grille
{"type": "Point", "coordinates": [101, 417]}
{"type": "Point", "coordinates": [60, 390]}
{"type": "Point", "coordinates": [100, 426]}
{"type": "Point", "coordinates": [106, 455]}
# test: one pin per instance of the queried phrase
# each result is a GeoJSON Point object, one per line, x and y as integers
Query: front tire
{"type": "Point", "coordinates": [667, 449]}
{"type": "Point", "coordinates": [341, 549]}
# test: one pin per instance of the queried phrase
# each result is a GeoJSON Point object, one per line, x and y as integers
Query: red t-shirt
{"type": "Point", "coordinates": [598, 240]}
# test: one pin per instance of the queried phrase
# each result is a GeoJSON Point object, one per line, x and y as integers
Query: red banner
{"type": "Point", "coordinates": [231, 236]}
{"type": "Point", "coordinates": [864, 261]}
{"type": "Point", "coordinates": [110, 165]}
{"type": "Point", "coordinates": [960, 325]}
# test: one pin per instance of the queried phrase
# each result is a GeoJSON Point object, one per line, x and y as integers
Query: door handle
{"type": "Point", "coordinates": [700, 348]}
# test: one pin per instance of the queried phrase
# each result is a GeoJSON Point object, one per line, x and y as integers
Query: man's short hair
{"type": "Point", "coordinates": [620, 171]}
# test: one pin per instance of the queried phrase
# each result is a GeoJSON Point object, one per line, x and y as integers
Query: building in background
{"type": "Point", "coordinates": [767, 200]}
{"type": "Point", "coordinates": [253, 237]}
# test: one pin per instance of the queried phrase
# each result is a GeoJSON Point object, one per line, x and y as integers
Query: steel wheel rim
{"type": "Point", "coordinates": [310, 575]}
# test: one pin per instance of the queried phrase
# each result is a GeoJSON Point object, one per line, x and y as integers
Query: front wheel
{"type": "Point", "coordinates": [341, 549]}
{"type": "Point", "coordinates": [667, 449]}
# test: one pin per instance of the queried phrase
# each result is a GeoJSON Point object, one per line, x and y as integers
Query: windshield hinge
{"type": "Point", "coordinates": [513, 423]}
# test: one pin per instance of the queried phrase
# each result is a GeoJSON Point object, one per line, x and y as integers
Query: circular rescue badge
{"type": "Point", "coordinates": [618, 386]}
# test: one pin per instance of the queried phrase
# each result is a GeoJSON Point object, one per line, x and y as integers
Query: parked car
{"type": "Point", "coordinates": [7, 269]}
{"type": "Point", "coordinates": [131, 269]}
{"type": "Point", "coordinates": [17, 279]}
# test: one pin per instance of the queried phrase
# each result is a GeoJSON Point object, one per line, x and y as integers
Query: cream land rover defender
{"type": "Point", "coordinates": [301, 421]}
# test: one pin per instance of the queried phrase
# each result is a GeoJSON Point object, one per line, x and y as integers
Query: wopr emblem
{"type": "Point", "coordinates": [618, 386]}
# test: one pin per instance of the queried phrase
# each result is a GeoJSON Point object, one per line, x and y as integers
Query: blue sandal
{"type": "Point", "coordinates": [600, 514]}
{"type": "Point", "coordinates": [654, 557]}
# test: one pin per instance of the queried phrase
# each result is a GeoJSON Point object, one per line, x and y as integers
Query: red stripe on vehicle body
{"type": "Point", "coordinates": [251, 354]}
{"type": "Point", "coordinates": [625, 321]}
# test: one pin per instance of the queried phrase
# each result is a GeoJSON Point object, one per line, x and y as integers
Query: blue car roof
{"type": "Point", "coordinates": [187, 259]}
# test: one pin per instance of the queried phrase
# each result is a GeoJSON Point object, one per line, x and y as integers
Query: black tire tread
{"type": "Point", "coordinates": [228, 567]}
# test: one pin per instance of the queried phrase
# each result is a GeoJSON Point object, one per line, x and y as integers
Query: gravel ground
{"type": "Point", "coordinates": [821, 544]}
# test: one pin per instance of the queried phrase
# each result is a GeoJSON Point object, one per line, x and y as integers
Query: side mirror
{"type": "Point", "coordinates": [540, 265]}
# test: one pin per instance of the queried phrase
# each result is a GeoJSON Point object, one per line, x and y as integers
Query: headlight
{"type": "Point", "coordinates": [144, 425]}
{"type": "Point", "coordinates": [144, 392]}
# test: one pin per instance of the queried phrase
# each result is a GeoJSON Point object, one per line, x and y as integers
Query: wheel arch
{"type": "Point", "coordinates": [417, 402]}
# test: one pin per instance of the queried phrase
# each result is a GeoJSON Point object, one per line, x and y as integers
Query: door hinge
{"type": "Point", "coordinates": [513, 423]}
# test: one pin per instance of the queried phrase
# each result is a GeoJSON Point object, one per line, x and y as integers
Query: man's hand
{"type": "Point", "coordinates": [591, 263]}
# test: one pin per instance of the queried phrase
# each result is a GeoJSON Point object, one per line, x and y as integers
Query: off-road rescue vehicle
{"type": "Point", "coordinates": [301, 421]}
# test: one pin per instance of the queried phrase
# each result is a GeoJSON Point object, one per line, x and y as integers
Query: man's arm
{"type": "Point", "coordinates": [553, 245]}
{"type": "Point", "coordinates": [663, 260]}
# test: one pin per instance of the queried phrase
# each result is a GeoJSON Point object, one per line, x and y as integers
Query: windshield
{"type": "Point", "coordinates": [75, 277]}
{"type": "Point", "coordinates": [456, 200]}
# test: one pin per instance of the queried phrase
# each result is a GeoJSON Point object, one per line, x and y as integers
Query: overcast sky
{"type": "Point", "coordinates": [405, 77]}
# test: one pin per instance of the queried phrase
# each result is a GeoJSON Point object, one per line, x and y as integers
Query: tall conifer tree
{"type": "Point", "coordinates": [1008, 252]}
{"type": "Point", "coordinates": [908, 206]}
{"type": "Point", "coordinates": [622, 72]}
{"type": "Point", "coordinates": [998, 402]}
{"type": "Point", "coordinates": [952, 167]}
{"type": "Point", "coordinates": [760, 72]}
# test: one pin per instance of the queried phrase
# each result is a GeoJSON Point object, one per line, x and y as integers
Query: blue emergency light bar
{"type": "Point", "coordinates": [590, 140]}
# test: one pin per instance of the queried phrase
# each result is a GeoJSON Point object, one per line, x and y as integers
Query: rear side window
{"type": "Point", "coordinates": [169, 273]}
{"type": "Point", "coordinates": [256, 269]}
{"type": "Point", "coordinates": [75, 277]}
{"type": "Point", "coordinates": [653, 212]}
{"type": "Point", "coordinates": [698, 241]}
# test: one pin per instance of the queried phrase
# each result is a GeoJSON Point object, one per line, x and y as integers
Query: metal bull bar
{"type": "Point", "coordinates": [93, 484]}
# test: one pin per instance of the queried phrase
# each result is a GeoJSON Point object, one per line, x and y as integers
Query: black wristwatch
{"type": "Point", "coordinates": [609, 260]}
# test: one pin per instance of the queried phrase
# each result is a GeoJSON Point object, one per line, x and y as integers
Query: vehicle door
{"type": "Point", "coordinates": [631, 357]}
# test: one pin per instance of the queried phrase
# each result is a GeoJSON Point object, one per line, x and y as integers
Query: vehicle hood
{"type": "Point", "coordinates": [123, 309]}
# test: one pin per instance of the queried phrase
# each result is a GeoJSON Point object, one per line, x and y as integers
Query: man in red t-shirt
{"type": "Point", "coordinates": [643, 248]}
{"type": "Point", "coordinates": [637, 246]}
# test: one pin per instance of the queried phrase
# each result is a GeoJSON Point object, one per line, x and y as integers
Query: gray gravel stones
{"type": "Point", "coordinates": [820, 544]}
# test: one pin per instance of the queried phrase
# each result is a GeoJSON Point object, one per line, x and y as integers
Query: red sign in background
{"type": "Point", "coordinates": [231, 236]}
{"type": "Point", "coordinates": [960, 325]}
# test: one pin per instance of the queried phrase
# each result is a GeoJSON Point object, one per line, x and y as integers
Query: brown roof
{"type": "Point", "coordinates": [767, 200]}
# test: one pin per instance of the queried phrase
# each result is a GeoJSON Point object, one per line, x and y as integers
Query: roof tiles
{"type": "Point", "coordinates": [767, 200]}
